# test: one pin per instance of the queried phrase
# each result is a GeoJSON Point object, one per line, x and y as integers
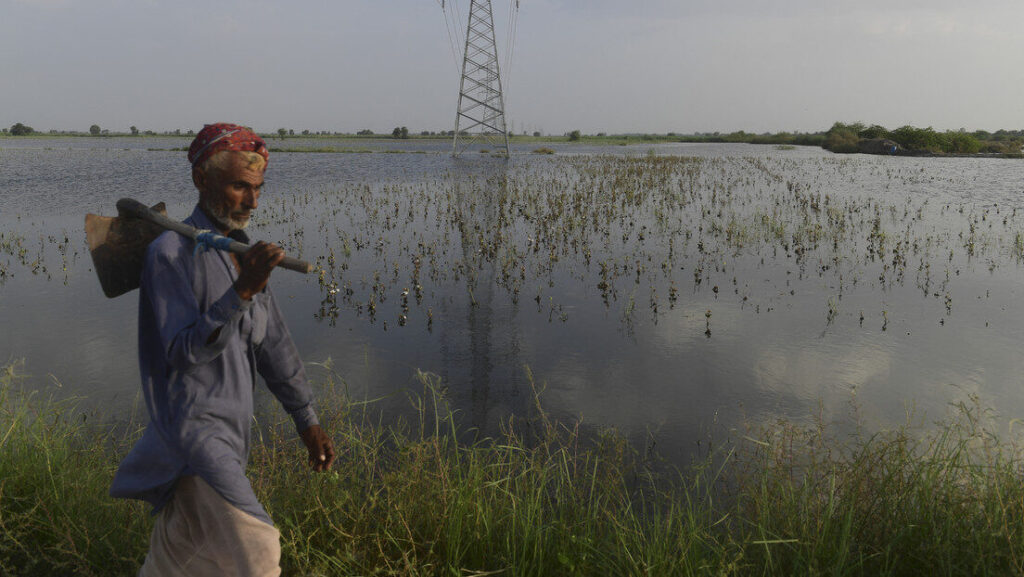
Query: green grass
{"type": "Point", "coordinates": [542, 498]}
{"type": "Point", "coordinates": [55, 466]}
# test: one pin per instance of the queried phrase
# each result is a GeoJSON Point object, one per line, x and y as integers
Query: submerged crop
{"type": "Point", "coordinates": [745, 232]}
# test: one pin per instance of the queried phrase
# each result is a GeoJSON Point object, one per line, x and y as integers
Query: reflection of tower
{"type": "Point", "coordinates": [481, 112]}
{"type": "Point", "coordinates": [475, 365]}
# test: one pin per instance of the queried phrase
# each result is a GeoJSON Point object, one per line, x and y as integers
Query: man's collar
{"type": "Point", "coordinates": [201, 221]}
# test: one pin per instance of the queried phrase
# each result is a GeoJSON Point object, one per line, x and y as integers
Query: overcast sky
{"type": "Point", "coordinates": [593, 65]}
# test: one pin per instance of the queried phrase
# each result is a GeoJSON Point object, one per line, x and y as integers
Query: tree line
{"type": "Point", "coordinates": [840, 138]}
{"type": "Point", "coordinates": [850, 138]}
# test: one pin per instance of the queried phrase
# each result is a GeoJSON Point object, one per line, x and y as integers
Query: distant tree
{"type": "Point", "coordinates": [425, 133]}
{"type": "Point", "coordinates": [842, 137]}
{"type": "Point", "coordinates": [305, 133]}
{"type": "Point", "coordinates": [94, 130]}
{"type": "Point", "coordinates": [282, 132]}
{"type": "Point", "coordinates": [291, 132]}
{"type": "Point", "coordinates": [536, 133]}
{"type": "Point", "coordinates": [365, 132]}
{"type": "Point", "coordinates": [20, 129]}
{"type": "Point", "coordinates": [574, 135]}
{"type": "Point", "coordinates": [135, 130]}
{"type": "Point", "coordinates": [741, 136]}
{"type": "Point", "coordinates": [913, 138]}
{"type": "Point", "coordinates": [874, 131]}
{"type": "Point", "coordinates": [400, 132]}
{"type": "Point", "coordinates": [963, 143]}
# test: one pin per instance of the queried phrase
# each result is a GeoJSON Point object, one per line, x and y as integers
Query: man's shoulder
{"type": "Point", "coordinates": [169, 245]}
{"type": "Point", "coordinates": [173, 244]}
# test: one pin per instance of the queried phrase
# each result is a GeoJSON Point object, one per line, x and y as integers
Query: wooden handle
{"type": "Point", "coordinates": [128, 207]}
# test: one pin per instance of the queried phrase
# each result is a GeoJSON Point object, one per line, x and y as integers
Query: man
{"type": "Point", "coordinates": [207, 324]}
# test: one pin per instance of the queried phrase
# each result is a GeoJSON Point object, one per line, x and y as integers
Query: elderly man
{"type": "Point", "coordinates": [207, 324]}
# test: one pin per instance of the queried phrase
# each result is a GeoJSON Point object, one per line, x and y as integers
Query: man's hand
{"type": "Point", "coordinates": [321, 449]}
{"type": "Point", "coordinates": [255, 267]}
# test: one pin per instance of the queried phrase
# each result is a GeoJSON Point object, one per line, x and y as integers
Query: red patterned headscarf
{"type": "Point", "coordinates": [214, 138]}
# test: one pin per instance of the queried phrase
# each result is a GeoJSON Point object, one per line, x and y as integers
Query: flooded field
{"type": "Point", "coordinates": [672, 292]}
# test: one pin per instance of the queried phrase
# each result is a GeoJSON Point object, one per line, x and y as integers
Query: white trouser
{"type": "Point", "coordinates": [199, 534]}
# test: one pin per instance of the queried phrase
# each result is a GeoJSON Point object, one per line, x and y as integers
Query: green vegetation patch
{"type": "Point", "coordinates": [542, 498]}
{"type": "Point", "coordinates": [852, 137]}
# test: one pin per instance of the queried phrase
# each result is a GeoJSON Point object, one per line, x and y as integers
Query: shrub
{"type": "Point", "coordinates": [842, 138]}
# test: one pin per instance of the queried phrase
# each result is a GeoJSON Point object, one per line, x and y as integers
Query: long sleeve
{"type": "Point", "coordinates": [278, 361]}
{"type": "Point", "coordinates": [182, 327]}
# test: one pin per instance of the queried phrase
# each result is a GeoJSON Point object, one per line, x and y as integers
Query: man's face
{"type": "Point", "coordinates": [231, 194]}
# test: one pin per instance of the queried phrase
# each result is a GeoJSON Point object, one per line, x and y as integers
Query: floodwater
{"type": "Point", "coordinates": [673, 291]}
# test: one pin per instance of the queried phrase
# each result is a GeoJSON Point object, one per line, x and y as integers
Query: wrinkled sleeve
{"type": "Point", "coordinates": [183, 330]}
{"type": "Point", "coordinates": [278, 362]}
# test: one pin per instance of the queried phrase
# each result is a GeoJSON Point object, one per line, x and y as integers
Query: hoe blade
{"type": "Point", "coordinates": [118, 248]}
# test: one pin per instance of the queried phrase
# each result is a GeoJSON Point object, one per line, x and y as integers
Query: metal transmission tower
{"type": "Point", "coordinates": [481, 113]}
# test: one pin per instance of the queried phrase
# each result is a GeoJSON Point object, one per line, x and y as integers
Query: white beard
{"type": "Point", "coordinates": [223, 218]}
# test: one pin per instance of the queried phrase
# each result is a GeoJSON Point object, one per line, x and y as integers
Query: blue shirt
{"type": "Point", "coordinates": [199, 394]}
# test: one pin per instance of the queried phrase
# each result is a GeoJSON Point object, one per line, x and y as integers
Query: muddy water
{"type": "Point", "coordinates": [670, 292]}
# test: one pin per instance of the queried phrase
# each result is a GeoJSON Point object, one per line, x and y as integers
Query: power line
{"type": "Point", "coordinates": [510, 42]}
{"type": "Point", "coordinates": [451, 39]}
{"type": "Point", "coordinates": [449, 9]}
